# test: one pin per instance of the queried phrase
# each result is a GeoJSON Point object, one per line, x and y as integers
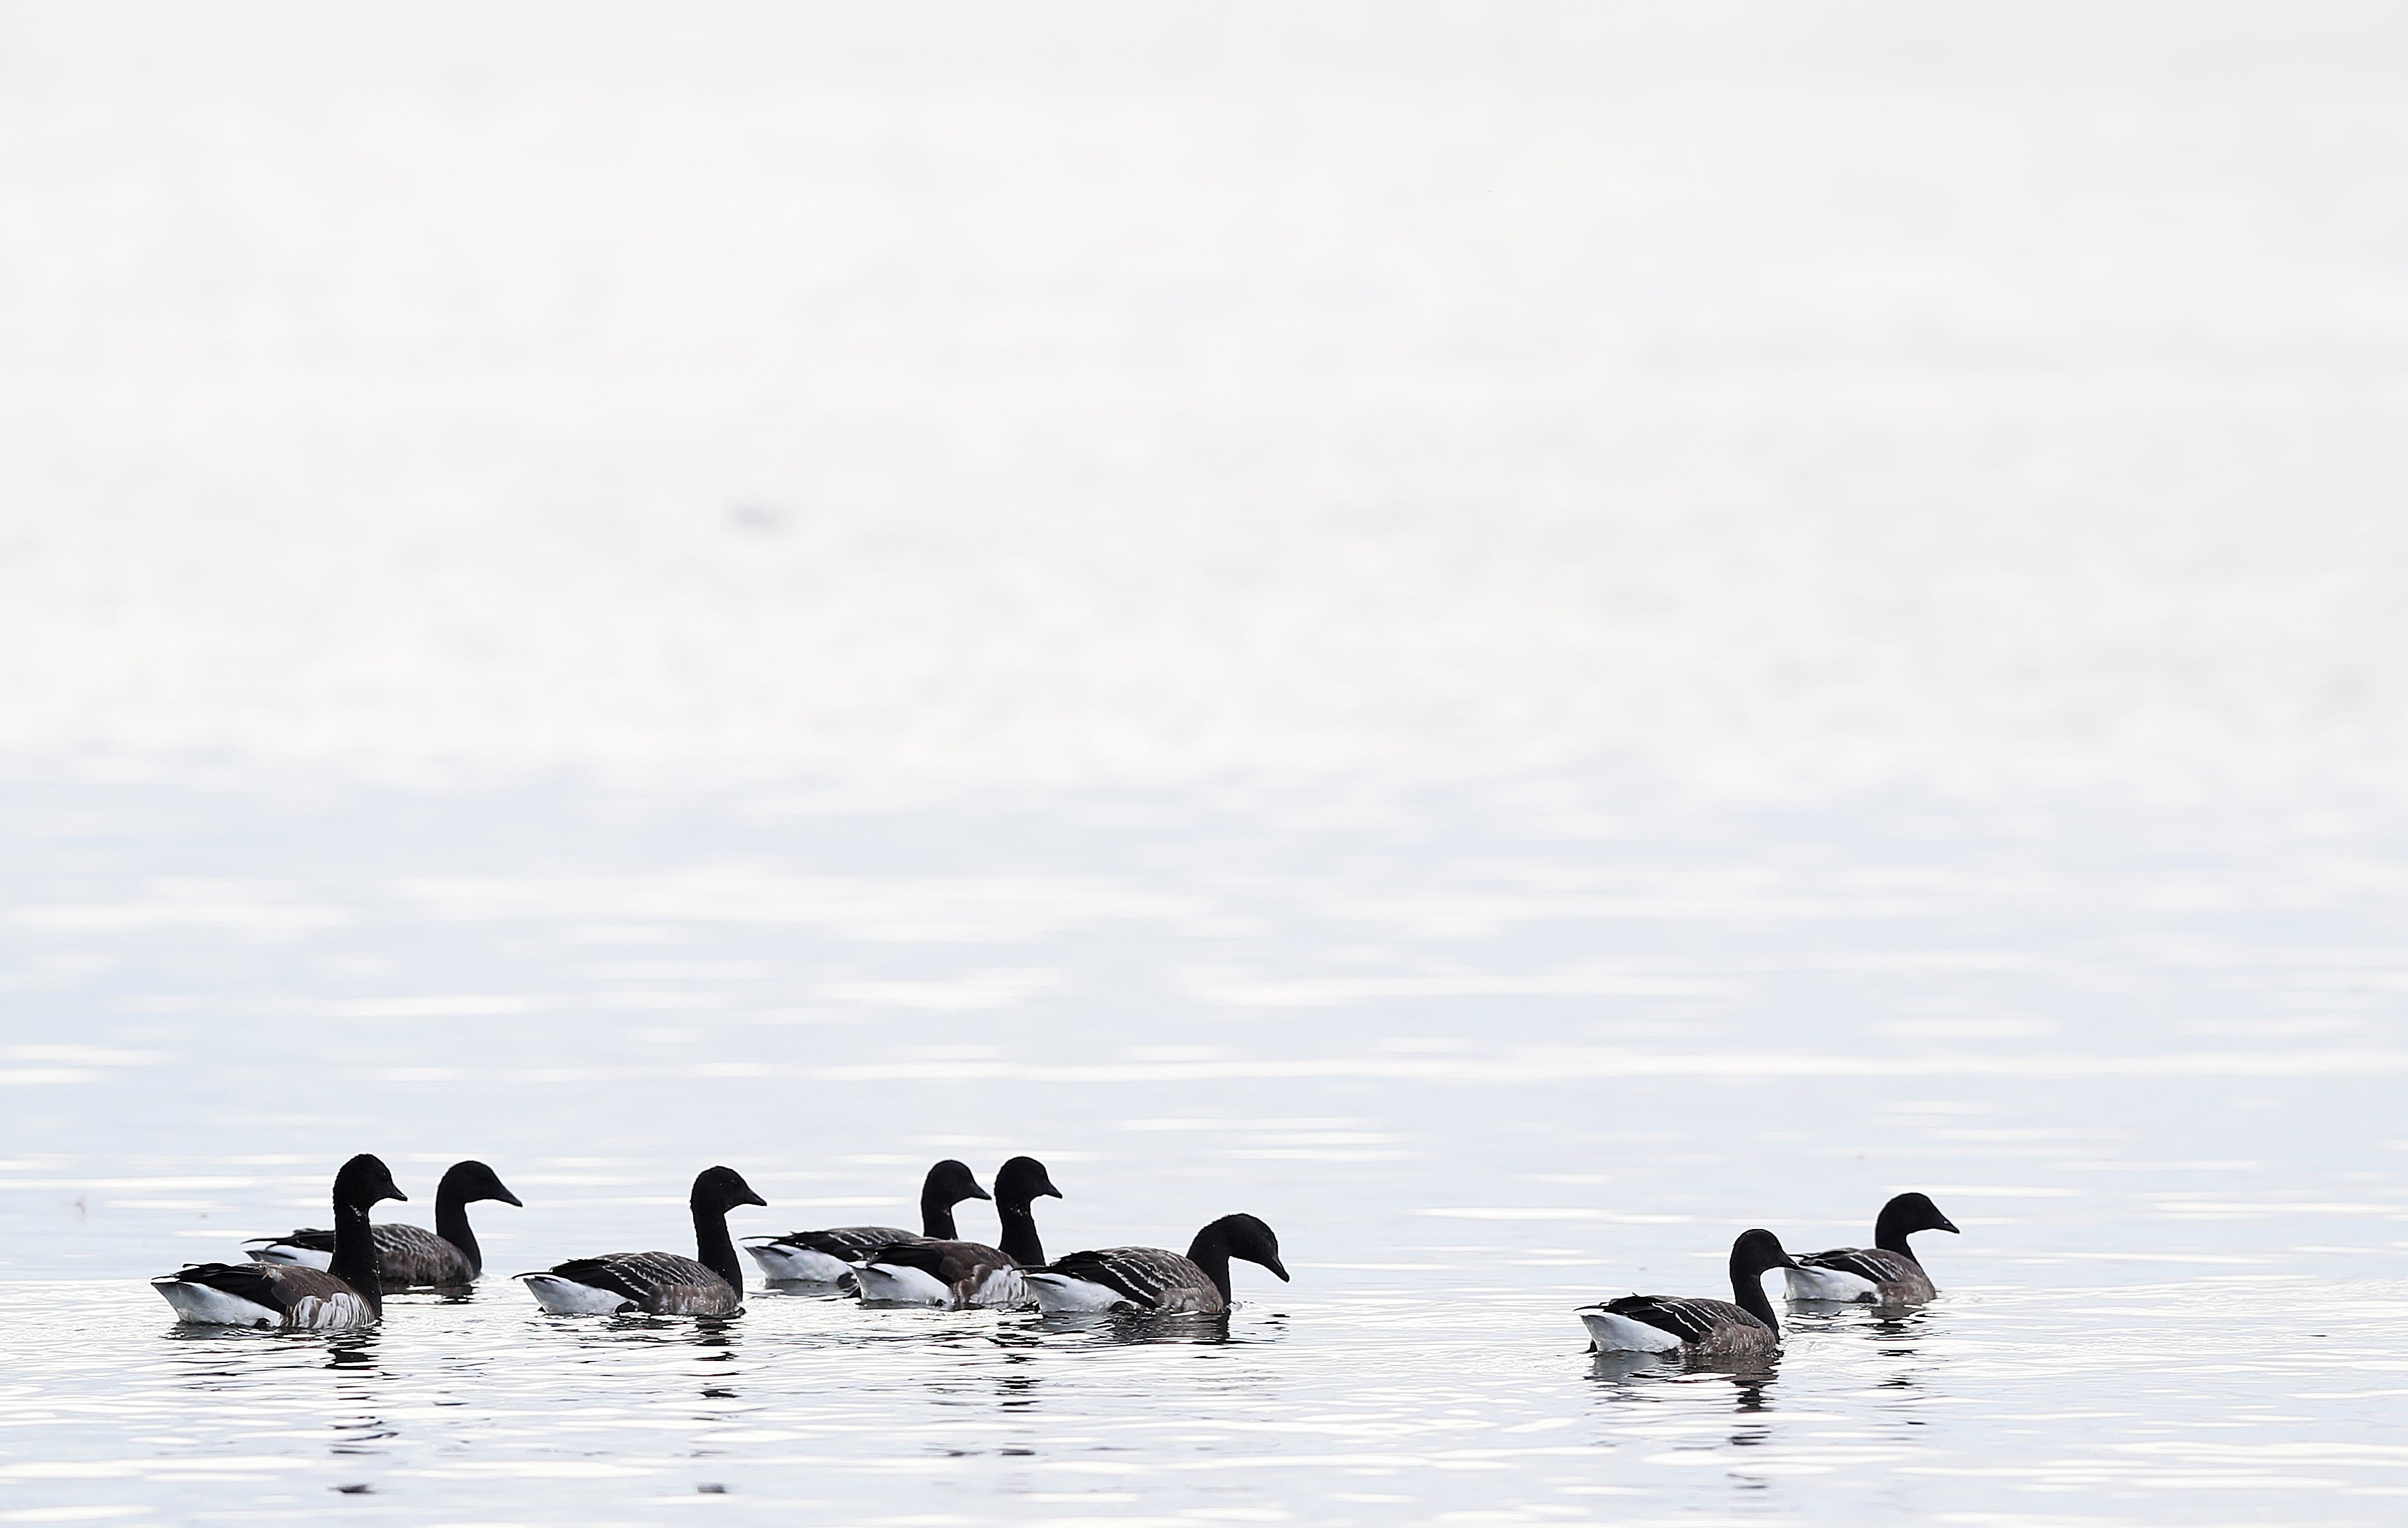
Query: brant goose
{"type": "Point", "coordinates": [278, 1295]}
{"type": "Point", "coordinates": [967, 1272]}
{"type": "Point", "coordinates": [1148, 1278]}
{"type": "Point", "coordinates": [1717, 1329]}
{"type": "Point", "coordinates": [660, 1283]}
{"type": "Point", "coordinates": [827, 1257]}
{"type": "Point", "coordinates": [409, 1256]}
{"type": "Point", "coordinates": [1887, 1272]}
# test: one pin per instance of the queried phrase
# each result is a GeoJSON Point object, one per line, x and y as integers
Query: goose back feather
{"type": "Point", "coordinates": [408, 1256]}
{"type": "Point", "coordinates": [652, 1283]}
{"type": "Point", "coordinates": [941, 1272]}
{"type": "Point", "coordinates": [272, 1296]}
{"type": "Point", "coordinates": [1660, 1323]}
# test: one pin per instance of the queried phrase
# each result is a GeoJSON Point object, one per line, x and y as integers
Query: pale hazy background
{"type": "Point", "coordinates": [1767, 398]}
{"type": "Point", "coordinates": [1514, 636]}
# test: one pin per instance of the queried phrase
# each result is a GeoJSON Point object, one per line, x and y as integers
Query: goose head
{"type": "Point", "coordinates": [719, 1190]}
{"type": "Point", "coordinates": [470, 1182]}
{"type": "Point", "coordinates": [950, 1182]}
{"type": "Point", "coordinates": [1023, 1181]}
{"type": "Point", "coordinates": [1911, 1212]}
{"type": "Point", "coordinates": [1758, 1253]}
{"type": "Point", "coordinates": [1245, 1236]}
{"type": "Point", "coordinates": [363, 1182]}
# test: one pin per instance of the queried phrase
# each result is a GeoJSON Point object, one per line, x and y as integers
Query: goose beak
{"type": "Point", "coordinates": [976, 1193]}
{"type": "Point", "coordinates": [506, 1196]}
{"type": "Point", "coordinates": [751, 1198]}
{"type": "Point", "coordinates": [393, 1191]}
{"type": "Point", "coordinates": [1278, 1268]}
{"type": "Point", "coordinates": [1948, 1226]}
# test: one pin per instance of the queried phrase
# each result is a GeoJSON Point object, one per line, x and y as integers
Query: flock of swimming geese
{"type": "Point", "coordinates": [330, 1280]}
{"type": "Point", "coordinates": [327, 1281]}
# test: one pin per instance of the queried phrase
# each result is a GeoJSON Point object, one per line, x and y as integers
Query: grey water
{"type": "Point", "coordinates": [1478, 1055]}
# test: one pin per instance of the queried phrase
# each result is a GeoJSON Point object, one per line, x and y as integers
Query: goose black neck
{"type": "Point", "coordinates": [452, 1224]}
{"type": "Point", "coordinates": [1889, 1234]}
{"type": "Point", "coordinates": [714, 1248]}
{"type": "Point", "coordinates": [355, 1255]}
{"type": "Point", "coordinates": [936, 1216]}
{"type": "Point", "coordinates": [1209, 1252]}
{"type": "Point", "coordinates": [1020, 1242]}
{"type": "Point", "coordinates": [1747, 1290]}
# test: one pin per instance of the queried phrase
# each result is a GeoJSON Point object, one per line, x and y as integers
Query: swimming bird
{"type": "Point", "coordinates": [410, 1256]}
{"type": "Point", "coordinates": [827, 1257]}
{"type": "Point", "coordinates": [1717, 1329]}
{"type": "Point", "coordinates": [281, 1296]}
{"type": "Point", "coordinates": [1148, 1278]}
{"type": "Point", "coordinates": [712, 1283]}
{"type": "Point", "coordinates": [1885, 1272]}
{"type": "Point", "coordinates": [967, 1272]}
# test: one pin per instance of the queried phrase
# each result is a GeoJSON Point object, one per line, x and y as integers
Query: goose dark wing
{"type": "Point", "coordinates": [1691, 1320]}
{"type": "Point", "coordinates": [663, 1283]}
{"type": "Point", "coordinates": [960, 1264]}
{"type": "Point", "coordinates": [1148, 1277]}
{"type": "Point", "coordinates": [309, 1239]}
{"type": "Point", "coordinates": [849, 1243]}
{"type": "Point", "coordinates": [1867, 1262]}
{"type": "Point", "coordinates": [412, 1255]}
{"type": "Point", "coordinates": [278, 1286]}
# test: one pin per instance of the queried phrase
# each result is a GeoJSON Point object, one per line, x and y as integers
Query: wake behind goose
{"type": "Point", "coordinates": [660, 1283]}
{"type": "Point", "coordinates": [282, 1296]}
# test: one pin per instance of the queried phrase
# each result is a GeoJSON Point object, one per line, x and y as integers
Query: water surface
{"type": "Point", "coordinates": [1479, 1058]}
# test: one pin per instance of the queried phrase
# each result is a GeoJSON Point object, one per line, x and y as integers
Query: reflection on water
{"type": "Point", "coordinates": [1478, 1063]}
{"type": "Point", "coordinates": [1444, 1402]}
{"type": "Point", "coordinates": [1190, 1329]}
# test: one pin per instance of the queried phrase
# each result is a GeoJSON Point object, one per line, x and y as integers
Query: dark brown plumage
{"type": "Point", "coordinates": [283, 1296]}
{"type": "Point", "coordinates": [660, 1283]}
{"type": "Point", "coordinates": [967, 1272]}
{"type": "Point", "coordinates": [1743, 1328]}
{"type": "Point", "coordinates": [1886, 1272]}
{"type": "Point", "coordinates": [1149, 1279]}
{"type": "Point", "coordinates": [827, 1257]}
{"type": "Point", "coordinates": [409, 1256]}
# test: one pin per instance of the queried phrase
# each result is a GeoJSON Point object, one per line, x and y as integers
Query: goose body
{"type": "Point", "coordinates": [409, 1256]}
{"type": "Point", "coordinates": [1150, 1279]}
{"type": "Point", "coordinates": [660, 1283]}
{"type": "Point", "coordinates": [827, 1257]}
{"type": "Point", "coordinates": [1885, 1272]}
{"type": "Point", "coordinates": [283, 1298]}
{"type": "Point", "coordinates": [651, 1283]}
{"type": "Point", "coordinates": [934, 1272]}
{"type": "Point", "coordinates": [268, 1295]}
{"type": "Point", "coordinates": [941, 1272]}
{"type": "Point", "coordinates": [1741, 1328]}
